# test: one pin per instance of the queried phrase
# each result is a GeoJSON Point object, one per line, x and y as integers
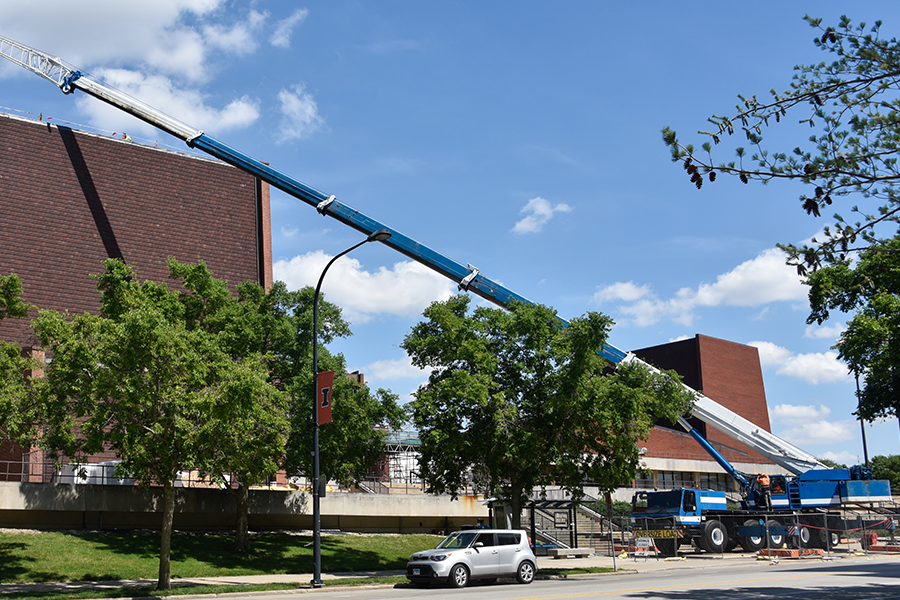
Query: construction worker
{"type": "Point", "coordinates": [763, 481]}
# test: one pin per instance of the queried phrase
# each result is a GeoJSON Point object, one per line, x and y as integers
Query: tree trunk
{"type": "Point", "coordinates": [165, 543]}
{"type": "Point", "coordinates": [515, 505]}
{"type": "Point", "coordinates": [242, 529]}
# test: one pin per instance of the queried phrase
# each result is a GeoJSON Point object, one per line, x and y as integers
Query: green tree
{"type": "Point", "coordinates": [887, 467]}
{"type": "Point", "coordinates": [251, 422]}
{"type": "Point", "coordinates": [276, 429]}
{"type": "Point", "coordinates": [354, 441]}
{"type": "Point", "coordinates": [13, 365]}
{"type": "Point", "coordinates": [832, 464]}
{"type": "Point", "coordinates": [515, 402]}
{"type": "Point", "coordinates": [870, 345]}
{"type": "Point", "coordinates": [140, 380]}
{"type": "Point", "coordinates": [11, 303]}
{"type": "Point", "coordinates": [854, 103]}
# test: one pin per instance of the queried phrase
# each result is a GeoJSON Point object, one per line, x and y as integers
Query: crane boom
{"type": "Point", "coordinates": [468, 277]}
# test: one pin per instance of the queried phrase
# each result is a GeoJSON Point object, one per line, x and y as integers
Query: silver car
{"type": "Point", "coordinates": [474, 554]}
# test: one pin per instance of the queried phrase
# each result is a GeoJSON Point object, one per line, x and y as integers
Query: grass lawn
{"type": "Point", "coordinates": [27, 556]}
{"type": "Point", "coordinates": [76, 556]}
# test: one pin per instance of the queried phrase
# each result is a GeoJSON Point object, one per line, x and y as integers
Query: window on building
{"type": "Point", "coordinates": [715, 481]}
{"type": "Point", "coordinates": [674, 479]}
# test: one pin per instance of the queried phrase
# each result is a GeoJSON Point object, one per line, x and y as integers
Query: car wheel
{"type": "Point", "coordinates": [525, 572]}
{"type": "Point", "coordinates": [459, 576]}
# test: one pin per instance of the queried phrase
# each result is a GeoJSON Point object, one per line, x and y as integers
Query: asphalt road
{"type": "Point", "coordinates": [849, 579]}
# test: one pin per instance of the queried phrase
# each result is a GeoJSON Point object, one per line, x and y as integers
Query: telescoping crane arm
{"type": "Point", "coordinates": [68, 79]}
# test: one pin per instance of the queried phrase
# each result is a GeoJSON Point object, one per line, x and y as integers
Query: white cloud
{"type": "Point", "coordinates": [828, 333]}
{"type": "Point", "coordinates": [764, 279]}
{"type": "Point", "coordinates": [819, 432]}
{"type": "Point", "coordinates": [238, 38]}
{"type": "Point", "coordinates": [160, 92]}
{"type": "Point", "coordinates": [843, 458]}
{"type": "Point", "coordinates": [284, 28]}
{"type": "Point", "coordinates": [755, 282]}
{"type": "Point", "coordinates": [771, 355]}
{"type": "Point", "coordinates": [300, 114]}
{"type": "Point", "coordinates": [405, 290]}
{"type": "Point", "coordinates": [808, 425]}
{"type": "Point", "coordinates": [382, 370]}
{"type": "Point", "coordinates": [626, 291]}
{"type": "Point", "coordinates": [180, 53]}
{"type": "Point", "coordinates": [814, 368]}
{"type": "Point", "coordinates": [793, 413]}
{"type": "Point", "coordinates": [539, 212]}
{"type": "Point", "coordinates": [156, 50]}
{"type": "Point", "coordinates": [152, 33]}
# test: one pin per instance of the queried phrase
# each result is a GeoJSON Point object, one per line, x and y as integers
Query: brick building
{"type": "Point", "coordinates": [70, 199]}
{"type": "Point", "coordinates": [726, 372]}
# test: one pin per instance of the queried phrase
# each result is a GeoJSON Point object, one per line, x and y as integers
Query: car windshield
{"type": "Point", "coordinates": [460, 539]}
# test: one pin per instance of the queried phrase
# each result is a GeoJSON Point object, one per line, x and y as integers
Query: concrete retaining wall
{"type": "Point", "coordinates": [64, 506]}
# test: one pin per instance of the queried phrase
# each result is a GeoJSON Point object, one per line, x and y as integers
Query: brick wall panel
{"type": "Point", "coordinates": [726, 372]}
{"type": "Point", "coordinates": [68, 200]}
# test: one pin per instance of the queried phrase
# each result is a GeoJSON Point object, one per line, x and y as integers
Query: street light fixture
{"type": "Point", "coordinates": [376, 236]}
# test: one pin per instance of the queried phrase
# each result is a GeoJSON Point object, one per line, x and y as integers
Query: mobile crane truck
{"type": "Point", "coordinates": [689, 515]}
{"type": "Point", "coordinates": [805, 509]}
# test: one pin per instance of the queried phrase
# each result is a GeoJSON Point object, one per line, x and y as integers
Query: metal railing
{"type": "Point", "coordinates": [28, 470]}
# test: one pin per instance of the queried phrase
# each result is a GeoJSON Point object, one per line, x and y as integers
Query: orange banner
{"type": "Point", "coordinates": [324, 384]}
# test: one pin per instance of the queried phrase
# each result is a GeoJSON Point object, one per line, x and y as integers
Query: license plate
{"type": "Point", "coordinates": [416, 572]}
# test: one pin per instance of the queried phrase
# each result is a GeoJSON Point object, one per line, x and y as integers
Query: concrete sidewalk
{"type": "Point", "coordinates": [628, 565]}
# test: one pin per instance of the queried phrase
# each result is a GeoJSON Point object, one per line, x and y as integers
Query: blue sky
{"type": "Point", "coordinates": [521, 137]}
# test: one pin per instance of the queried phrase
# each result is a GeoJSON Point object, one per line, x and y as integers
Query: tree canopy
{"type": "Point", "coordinates": [516, 402]}
{"type": "Point", "coordinates": [142, 380]}
{"type": "Point", "coordinates": [869, 287]}
{"type": "Point", "coordinates": [887, 467]}
{"type": "Point", "coordinates": [277, 324]}
{"type": "Point", "coordinates": [353, 442]}
{"type": "Point", "coordinates": [13, 365]}
{"type": "Point", "coordinates": [11, 303]}
{"type": "Point", "coordinates": [853, 105]}
{"type": "Point", "coordinates": [252, 424]}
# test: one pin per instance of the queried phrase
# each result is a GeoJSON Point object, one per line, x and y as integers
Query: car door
{"type": "Point", "coordinates": [483, 555]}
{"type": "Point", "coordinates": [509, 549]}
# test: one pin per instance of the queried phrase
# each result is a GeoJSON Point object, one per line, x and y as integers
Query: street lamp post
{"type": "Point", "coordinates": [376, 236]}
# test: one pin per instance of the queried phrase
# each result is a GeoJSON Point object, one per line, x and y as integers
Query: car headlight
{"type": "Point", "coordinates": [439, 557]}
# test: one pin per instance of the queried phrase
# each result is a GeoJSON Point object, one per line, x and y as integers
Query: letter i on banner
{"type": "Point", "coordinates": [325, 382]}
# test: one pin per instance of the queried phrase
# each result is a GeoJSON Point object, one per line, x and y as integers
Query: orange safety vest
{"type": "Point", "coordinates": [763, 479]}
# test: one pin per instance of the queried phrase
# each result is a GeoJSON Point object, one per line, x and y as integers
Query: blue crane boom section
{"type": "Point", "coordinates": [467, 277]}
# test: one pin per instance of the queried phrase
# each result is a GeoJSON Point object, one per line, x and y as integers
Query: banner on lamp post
{"type": "Point", "coordinates": [324, 385]}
